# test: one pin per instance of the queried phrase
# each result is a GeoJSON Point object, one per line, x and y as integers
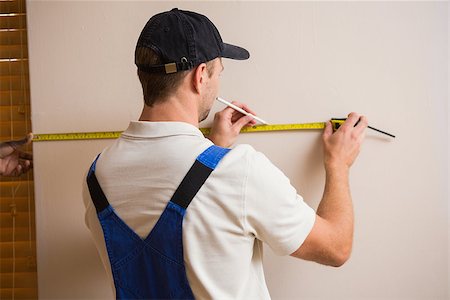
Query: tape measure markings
{"type": "Point", "coordinates": [336, 123]}
{"type": "Point", "coordinates": [76, 136]}
{"type": "Point", "coordinates": [205, 131]}
{"type": "Point", "coordinates": [275, 127]}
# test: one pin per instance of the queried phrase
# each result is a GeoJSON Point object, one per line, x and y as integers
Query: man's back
{"type": "Point", "coordinates": [225, 223]}
{"type": "Point", "coordinates": [246, 200]}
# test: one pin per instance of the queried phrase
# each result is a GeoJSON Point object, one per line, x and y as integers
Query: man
{"type": "Point", "coordinates": [13, 161]}
{"type": "Point", "coordinates": [225, 217]}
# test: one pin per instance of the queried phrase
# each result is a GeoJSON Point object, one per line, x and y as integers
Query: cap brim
{"type": "Point", "coordinates": [234, 52]}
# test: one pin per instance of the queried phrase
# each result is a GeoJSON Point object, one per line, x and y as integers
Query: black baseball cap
{"type": "Point", "coordinates": [184, 39]}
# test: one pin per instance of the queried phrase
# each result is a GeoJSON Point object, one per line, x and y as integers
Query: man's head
{"type": "Point", "coordinates": [176, 44]}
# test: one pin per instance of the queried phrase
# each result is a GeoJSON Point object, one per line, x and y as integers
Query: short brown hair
{"type": "Point", "coordinates": [158, 86]}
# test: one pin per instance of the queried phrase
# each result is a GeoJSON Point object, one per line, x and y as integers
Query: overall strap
{"type": "Point", "coordinates": [205, 163]}
{"type": "Point", "coordinates": [97, 195]}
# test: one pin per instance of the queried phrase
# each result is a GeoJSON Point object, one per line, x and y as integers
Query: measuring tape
{"type": "Point", "coordinates": [205, 131]}
{"type": "Point", "coordinates": [76, 136]}
{"type": "Point", "coordinates": [336, 123]}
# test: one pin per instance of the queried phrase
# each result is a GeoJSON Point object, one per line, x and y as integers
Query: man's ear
{"type": "Point", "coordinates": [199, 77]}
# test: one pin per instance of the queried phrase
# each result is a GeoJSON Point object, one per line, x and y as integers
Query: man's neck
{"type": "Point", "coordinates": [171, 110]}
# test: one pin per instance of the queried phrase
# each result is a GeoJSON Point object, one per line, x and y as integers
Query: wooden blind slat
{"type": "Point", "coordinates": [13, 36]}
{"type": "Point", "coordinates": [10, 68]}
{"type": "Point", "coordinates": [18, 128]}
{"type": "Point", "coordinates": [14, 113]}
{"type": "Point", "coordinates": [11, 6]}
{"type": "Point", "coordinates": [19, 293]}
{"type": "Point", "coordinates": [13, 51]}
{"type": "Point", "coordinates": [16, 188]}
{"type": "Point", "coordinates": [13, 20]}
{"type": "Point", "coordinates": [14, 82]}
{"type": "Point", "coordinates": [22, 204]}
{"type": "Point", "coordinates": [21, 219]}
{"type": "Point", "coordinates": [21, 248]}
{"type": "Point", "coordinates": [22, 280]}
{"type": "Point", "coordinates": [22, 265]}
{"type": "Point", "coordinates": [13, 97]}
{"type": "Point", "coordinates": [21, 234]}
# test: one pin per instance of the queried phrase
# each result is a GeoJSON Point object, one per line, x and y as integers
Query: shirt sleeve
{"type": "Point", "coordinates": [274, 212]}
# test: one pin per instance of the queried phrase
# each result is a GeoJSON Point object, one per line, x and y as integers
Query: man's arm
{"type": "Point", "coordinates": [330, 240]}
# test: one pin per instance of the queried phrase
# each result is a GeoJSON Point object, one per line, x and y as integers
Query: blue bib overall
{"type": "Point", "coordinates": [152, 268]}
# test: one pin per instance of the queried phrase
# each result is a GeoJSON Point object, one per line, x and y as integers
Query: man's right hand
{"type": "Point", "coordinates": [342, 147]}
{"type": "Point", "coordinates": [228, 123]}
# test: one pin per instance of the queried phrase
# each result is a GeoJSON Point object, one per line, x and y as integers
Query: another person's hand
{"type": "Point", "coordinates": [228, 123]}
{"type": "Point", "coordinates": [342, 147]}
{"type": "Point", "coordinates": [13, 161]}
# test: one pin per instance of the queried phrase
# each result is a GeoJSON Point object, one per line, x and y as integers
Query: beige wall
{"type": "Point", "coordinates": [310, 61]}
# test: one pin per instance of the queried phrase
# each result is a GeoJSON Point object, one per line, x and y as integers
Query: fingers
{"type": "Point", "coordinates": [243, 107]}
{"type": "Point", "coordinates": [328, 131]}
{"type": "Point", "coordinates": [351, 121]}
{"type": "Point", "coordinates": [361, 125]}
{"type": "Point", "coordinates": [356, 123]}
{"type": "Point", "coordinates": [235, 115]}
{"type": "Point", "coordinates": [25, 155]}
{"type": "Point", "coordinates": [12, 168]}
{"type": "Point", "coordinates": [238, 116]}
{"type": "Point", "coordinates": [245, 120]}
{"type": "Point", "coordinates": [229, 122]}
{"type": "Point", "coordinates": [16, 169]}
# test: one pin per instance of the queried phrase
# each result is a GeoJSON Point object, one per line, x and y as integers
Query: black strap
{"type": "Point", "coordinates": [191, 184]}
{"type": "Point", "coordinates": [97, 195]}
{"type": "Point", "coordinates": [167, 68]}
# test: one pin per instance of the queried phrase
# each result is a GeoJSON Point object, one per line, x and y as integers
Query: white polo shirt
{"type": "Point", "coordinates": [245, 201]}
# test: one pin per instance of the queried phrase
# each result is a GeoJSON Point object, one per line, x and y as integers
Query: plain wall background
{"type": "Point", "coordinates": [310, 61]}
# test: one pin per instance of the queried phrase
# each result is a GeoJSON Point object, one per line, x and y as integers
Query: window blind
{"type": "Point", "coordinates": [18, 273]}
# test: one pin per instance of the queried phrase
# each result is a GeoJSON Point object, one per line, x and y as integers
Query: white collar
{"type": "Point", "coordinates": [145, 129]}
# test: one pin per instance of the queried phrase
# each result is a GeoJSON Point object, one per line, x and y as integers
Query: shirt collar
{"type": "Point", "coordinates": [145, 129]}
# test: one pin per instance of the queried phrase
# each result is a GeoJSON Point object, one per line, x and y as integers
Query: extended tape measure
{"type": "Point", "coordinates": [257, 128]}
{"type": "Point", "coordinates": [76, 136]}
{"type": "Point", "coordinates": [279, 127]}
{"type": "Point", "coordinates": [205, 131]}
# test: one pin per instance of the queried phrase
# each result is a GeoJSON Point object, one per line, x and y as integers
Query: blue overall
{"type": "Point", "coordinates": [152, 268]}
